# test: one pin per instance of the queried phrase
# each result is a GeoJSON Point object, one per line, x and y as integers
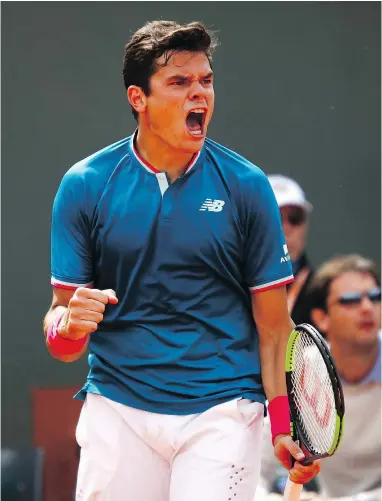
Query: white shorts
{"type": "Point", "coordinates": [133, 455]}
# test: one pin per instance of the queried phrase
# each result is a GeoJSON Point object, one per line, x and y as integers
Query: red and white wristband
{"type": "Point", "coordinates": [60, 345]}
{"type": "Point", "coordinates": [279, 416]}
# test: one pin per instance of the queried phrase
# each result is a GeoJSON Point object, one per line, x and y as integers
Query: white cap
{"type": "Point", "coordinates": [288, 192]}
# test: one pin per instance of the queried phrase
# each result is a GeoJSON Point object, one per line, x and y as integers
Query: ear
{"type": "Point", "coordinates": [320, 319]}
{"type": "Point", "coordinates": [137, 98]}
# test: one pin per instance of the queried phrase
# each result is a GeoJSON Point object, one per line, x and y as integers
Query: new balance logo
{"type": "Point", "coordinates": [287, 256]}
{"type": "Point", "coordinates": [212, 205]}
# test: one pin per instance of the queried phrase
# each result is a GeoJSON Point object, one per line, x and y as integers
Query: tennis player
{"type": "Point", "coordinates": [169, 263]}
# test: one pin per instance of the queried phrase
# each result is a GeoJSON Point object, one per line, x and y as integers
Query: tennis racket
{"type": "Point", "coordinates": [315, 398]}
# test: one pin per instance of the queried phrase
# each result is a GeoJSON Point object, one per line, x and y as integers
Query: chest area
{"type": "Point", "coordinates": [186, 219]}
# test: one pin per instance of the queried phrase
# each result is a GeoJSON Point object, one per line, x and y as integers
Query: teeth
{"type": "Point", "coordinates": [197, 110]}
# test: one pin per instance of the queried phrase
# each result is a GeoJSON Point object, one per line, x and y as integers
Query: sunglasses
{"type": "Point", "coordinates": [355, 298]}
{"type": "Point", "coordinates": [295, 216]}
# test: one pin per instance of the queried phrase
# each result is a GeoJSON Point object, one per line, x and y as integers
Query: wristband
{"type": "Point", "coordinates": [60, 345]}
{"type": "Point", "coordinates": [279, 416]}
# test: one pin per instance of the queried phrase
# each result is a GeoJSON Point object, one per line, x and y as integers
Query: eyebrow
{"type": "Point", "coordinates": [184, 77]}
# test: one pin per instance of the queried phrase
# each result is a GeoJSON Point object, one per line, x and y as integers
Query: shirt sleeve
{"type": "Point", "coordinates": [71, 258]}
{"type": "Point", "coordinates": [267, 260]}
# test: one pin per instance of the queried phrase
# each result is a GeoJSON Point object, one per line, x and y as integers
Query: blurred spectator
{"type": "Point", "coordinates": [294, 209]}
{"type": "Point", "coordinates": [346, 300]}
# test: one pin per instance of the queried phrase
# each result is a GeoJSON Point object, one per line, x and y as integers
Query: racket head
{"type": "Point", "coordinates": [314, 392]}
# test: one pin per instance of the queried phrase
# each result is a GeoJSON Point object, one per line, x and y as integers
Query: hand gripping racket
{"type": "Point", "coordinates": [315, 398]}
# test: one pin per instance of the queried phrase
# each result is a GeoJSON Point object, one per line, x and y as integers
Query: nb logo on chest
{"type": "Point", "coordinates": [212, 205]}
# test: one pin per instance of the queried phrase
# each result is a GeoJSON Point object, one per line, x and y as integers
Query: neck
{"type": "Point", "coordinates": [352, 363]}
{"type": "Point", "coordinates": [163, 158]}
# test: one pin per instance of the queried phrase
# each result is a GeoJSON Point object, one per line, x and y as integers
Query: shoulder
{"type": "Point", "coordinates": [235, 166]}
{"type": "Point", "coordinates": [83, 184]}
{"type": "Point", "coordinates": [98, 167]}
{"type": "Point", "coordinates": [245, 179]}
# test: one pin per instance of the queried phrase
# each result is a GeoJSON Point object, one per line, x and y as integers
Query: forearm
{"type": "Point", "coordinates": [272, 345]}
{"type": "Point", "coordinates": [53, 314]}
{"type": "Point", "coordinates": [51, 317]}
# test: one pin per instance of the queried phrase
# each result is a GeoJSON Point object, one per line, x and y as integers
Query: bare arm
{"type": "Point", "coordinates": [82, 311]}
{"type": "Point", "coordinates": [274, 326]}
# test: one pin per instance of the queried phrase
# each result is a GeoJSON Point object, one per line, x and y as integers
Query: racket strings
{"type": "Point", "coordinates": [313, 395]}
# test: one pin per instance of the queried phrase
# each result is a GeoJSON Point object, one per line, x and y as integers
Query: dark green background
{"type": "Point", "coordinates": [298, 92]}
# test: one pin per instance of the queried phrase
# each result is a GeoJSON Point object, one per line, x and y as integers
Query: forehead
{"type": "Point", "coordinates": [182, 63]}
{"type": "Point", "coordinates": [352, 281]}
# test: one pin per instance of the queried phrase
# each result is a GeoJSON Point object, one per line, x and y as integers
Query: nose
{"type": "Point", "coordinates": [366, 304]}
{"type": "Point", "coordinates": [197, 91]}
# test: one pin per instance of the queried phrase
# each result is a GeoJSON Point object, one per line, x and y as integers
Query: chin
{"type": "Point", "coordinates": [192, 145]}
{"type": "Point", "coordinates": [369, 332]}
{"type": "Point", "coordinates": [367, 337]}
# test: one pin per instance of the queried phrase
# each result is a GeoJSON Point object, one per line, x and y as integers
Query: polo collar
{"type": "Point", "coordinates": [195, 160]}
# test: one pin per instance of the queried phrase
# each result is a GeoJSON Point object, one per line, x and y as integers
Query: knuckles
{"type": "Point", "coordinates": [81, 303]}
{"type": "Point", "coordinates": [99, 318]}
{"type": "Point", "coordinates": [86, 310]}
{"type": "Point", "coordinates": [81, 292]}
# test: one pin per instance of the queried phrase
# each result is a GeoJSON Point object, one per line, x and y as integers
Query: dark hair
{"type": "Point", "coordinates": [156, 38]}
{"type": "Point", "coordinates": [320, 285]}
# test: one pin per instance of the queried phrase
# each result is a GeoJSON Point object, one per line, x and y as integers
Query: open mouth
{"type": "Point", "coordinates": [195, 121]}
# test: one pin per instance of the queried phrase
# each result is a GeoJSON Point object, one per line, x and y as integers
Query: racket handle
{"type": "Point", "coordinates": [292, 491]}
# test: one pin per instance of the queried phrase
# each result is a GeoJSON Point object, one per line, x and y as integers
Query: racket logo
{"type": "Point", "coordinates": [316, 396]}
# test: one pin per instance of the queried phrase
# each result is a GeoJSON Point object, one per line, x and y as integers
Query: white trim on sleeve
{"type": "Point", "coordinates": [67, 285]}
{"type": "Point", "coordinates": [271, 285]}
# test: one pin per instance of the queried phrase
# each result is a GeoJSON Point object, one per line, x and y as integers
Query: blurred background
{"type": "Point", "coordinates": [297, 93]}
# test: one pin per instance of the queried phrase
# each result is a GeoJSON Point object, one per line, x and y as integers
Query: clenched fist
{"type": "Point", "coordinates": [285, 447]}
{"type": "Point", "coordinates": [85, 311]}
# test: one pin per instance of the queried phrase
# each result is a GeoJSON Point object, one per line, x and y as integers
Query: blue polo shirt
{"type": "Point", "coordinates": [183, 259]}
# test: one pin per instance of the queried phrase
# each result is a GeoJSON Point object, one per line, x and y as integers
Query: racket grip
{"type": "Point", "coordinates": [292, 491]}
